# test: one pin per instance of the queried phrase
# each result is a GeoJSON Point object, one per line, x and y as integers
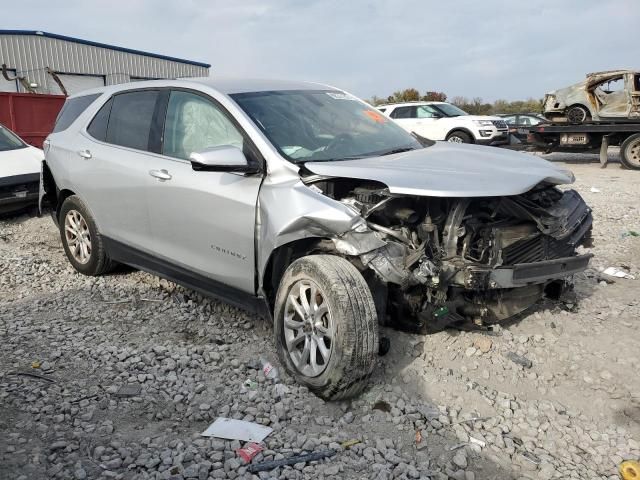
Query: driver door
{"type": "Point", "coordinates": [202, 221]}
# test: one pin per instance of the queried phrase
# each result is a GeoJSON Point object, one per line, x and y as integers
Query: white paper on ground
{"type": "Point", "coordinates": [616, 272]}
{"type": "Point", "coordinates": [231, 429]}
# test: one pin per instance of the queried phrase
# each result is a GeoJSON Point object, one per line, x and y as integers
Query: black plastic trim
{"type": "Point", "coordinates": [211, 288]}
{"type": "Point", "coordinates": [531, 272]}
{"type": "Point", "coordinates": [586, 128]}
{"type": "Point", "coordinates": [20, 179]}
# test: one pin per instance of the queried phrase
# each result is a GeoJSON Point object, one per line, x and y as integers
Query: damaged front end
{"type": "Point", "coordinates": [435, 261]}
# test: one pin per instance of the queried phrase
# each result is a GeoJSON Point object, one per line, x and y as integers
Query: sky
{"type": "Point", "coordinates": [491, 49]}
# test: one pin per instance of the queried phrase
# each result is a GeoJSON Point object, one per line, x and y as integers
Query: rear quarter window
{"type": "Point", "coordinates": [71, 110]}
{"type": "Point", "coordinates": [98, 126]}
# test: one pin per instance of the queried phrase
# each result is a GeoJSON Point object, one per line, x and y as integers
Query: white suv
{"type": "Point", "coordinates": [443, 121]}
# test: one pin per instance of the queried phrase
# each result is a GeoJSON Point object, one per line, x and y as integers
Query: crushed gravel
{"type": "Point", "coordinates": [117, 376]}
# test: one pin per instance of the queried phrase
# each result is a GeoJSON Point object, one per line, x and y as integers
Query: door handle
{"type": "Point", "coordinates": [86, 154]}
{"type": "Point", "coordinates": [160, 174]}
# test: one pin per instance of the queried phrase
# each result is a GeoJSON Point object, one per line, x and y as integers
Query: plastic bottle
{"type": "Point", "coordinates": [269, 370]}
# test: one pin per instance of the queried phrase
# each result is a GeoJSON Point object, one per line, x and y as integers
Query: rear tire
{"type": "Point", "coordinates": [81, 240]}
{"type": "Point", "coordinates": [577, 114]}
{"type": "Point", "coordinates": [459, 137]}
{"type": "Point", "coordinates": [341, 331]}
{"type": "Point", "coordinates": [630, 152]}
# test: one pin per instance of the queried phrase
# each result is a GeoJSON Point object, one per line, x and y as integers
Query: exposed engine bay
{"type": "Point", "coordinates": [433, 262]}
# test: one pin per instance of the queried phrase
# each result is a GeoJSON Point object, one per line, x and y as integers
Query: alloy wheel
{"type": "Point", "coordinates": [308, 328]}
{"type": "Point", "coordinates": [78, 237]}
{"type": "Point", "coordinates": [576, 115]}
{"type": "Point", "coordinates": [455, 139]}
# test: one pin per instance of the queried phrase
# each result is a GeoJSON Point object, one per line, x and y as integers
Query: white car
{"type": "Point", "coordinates": [444, 121]}
{"type": "Point", "coordinates": [19, 172]}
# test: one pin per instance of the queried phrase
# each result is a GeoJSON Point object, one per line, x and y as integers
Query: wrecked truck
{"type": "Point", "coordinates": [304, 203]}
{"type": "Point", "coordinates": [602, 96]}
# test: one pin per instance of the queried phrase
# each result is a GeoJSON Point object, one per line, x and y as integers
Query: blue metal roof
{"type": "Point", "coordinates": [101, 45]}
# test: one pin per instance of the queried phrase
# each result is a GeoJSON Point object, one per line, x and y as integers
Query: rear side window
{"type": "Point", "coordinates": [404, 112]}
{"type": "Point", "coordinates": [71, 110]}
{"type": "Point", "coordinates": [130, 119]}
{"type": "Point", "coordinates": [98, 127]}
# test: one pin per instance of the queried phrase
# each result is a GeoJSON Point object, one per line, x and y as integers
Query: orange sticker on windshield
{"type": "Point", "coordinates": [375, 116]}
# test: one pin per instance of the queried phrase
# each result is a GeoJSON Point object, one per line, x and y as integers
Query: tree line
{"type": "Point", "coordinates": [474, 106]}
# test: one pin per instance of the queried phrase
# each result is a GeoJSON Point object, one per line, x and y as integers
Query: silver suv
{"type": "Point", "coordinates": [307, 205]}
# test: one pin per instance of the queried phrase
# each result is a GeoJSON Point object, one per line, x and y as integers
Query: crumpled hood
{"type": "Point", "coordinates": [450, 170]}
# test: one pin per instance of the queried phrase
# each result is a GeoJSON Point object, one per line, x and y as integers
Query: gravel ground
{"type": "Point", "coordinates": [448, 405]}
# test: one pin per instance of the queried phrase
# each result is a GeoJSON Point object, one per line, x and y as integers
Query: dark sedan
{"type": "Point", "coordinates": [520, 123]}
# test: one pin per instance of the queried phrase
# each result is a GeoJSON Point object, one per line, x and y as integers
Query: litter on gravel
{"type": "Point", "coordinates": [231, 429]}
{"type": "Point", "coordinates": [618, 273]}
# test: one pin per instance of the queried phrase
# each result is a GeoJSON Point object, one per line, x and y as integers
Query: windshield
{"type": "Point", "coordinates": [449, 110]}
{"type": "Point", "coordinates": [9, 141]}
{"type": "Point", "coordinates": [319, 125]}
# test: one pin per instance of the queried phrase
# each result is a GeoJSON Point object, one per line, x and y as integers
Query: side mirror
{"type": "Point", "coordinates": [225, 158]}
{"type": "Point", "coordinates": [436, 115]}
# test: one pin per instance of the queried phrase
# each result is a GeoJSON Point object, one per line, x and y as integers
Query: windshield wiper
{"type": "Point", "coordinates": [337, 159]}
{"type": "Point", "coordinates": [397, 150]}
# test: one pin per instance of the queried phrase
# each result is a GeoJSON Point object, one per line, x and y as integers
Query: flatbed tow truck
{"type": "Point", "coordinates": [591, 137]}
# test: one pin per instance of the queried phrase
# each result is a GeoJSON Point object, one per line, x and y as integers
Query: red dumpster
{"type": "Point", "coordinates": [31, 116]}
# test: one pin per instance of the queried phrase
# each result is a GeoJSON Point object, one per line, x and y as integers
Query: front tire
{"type": "Point", "coordinates": [326, 327]}
{"type": "Point", "coordinates": [80, 238]}
{"type": "Point", "coordinates": [459, 137]}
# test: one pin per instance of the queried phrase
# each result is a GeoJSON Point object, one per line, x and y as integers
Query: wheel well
{"type": "Point", "coordinates": [53, 196]}
{"type": "Point", "coordinates": [62, 196]}
{"type": "Point", "coordinates": [285, 255]}
{"type": "Point", "coordinates": [579, 105]}
{"type": "Point", "coordinates": [463, 130]}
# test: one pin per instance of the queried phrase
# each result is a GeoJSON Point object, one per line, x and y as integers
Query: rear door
{"type": "Point", "coordinates": [202, 221]}
{"type": "Point", "coordinates": [405, 116]}
{"type": "Point", "coordinates": [421, 119]}
{"type": "Point", "coordinates": [114, 154]}
{"type": "Point", "coordinates": [615, 97]}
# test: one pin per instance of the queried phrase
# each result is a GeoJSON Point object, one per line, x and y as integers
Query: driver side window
{"type": "Point", "coordinates": [194, 123]}
{"type": "Point", "coordinates": [425, 111]}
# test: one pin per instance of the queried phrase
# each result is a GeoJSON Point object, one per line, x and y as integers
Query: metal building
{"type": "Point", "coordinates": [41, 62]}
